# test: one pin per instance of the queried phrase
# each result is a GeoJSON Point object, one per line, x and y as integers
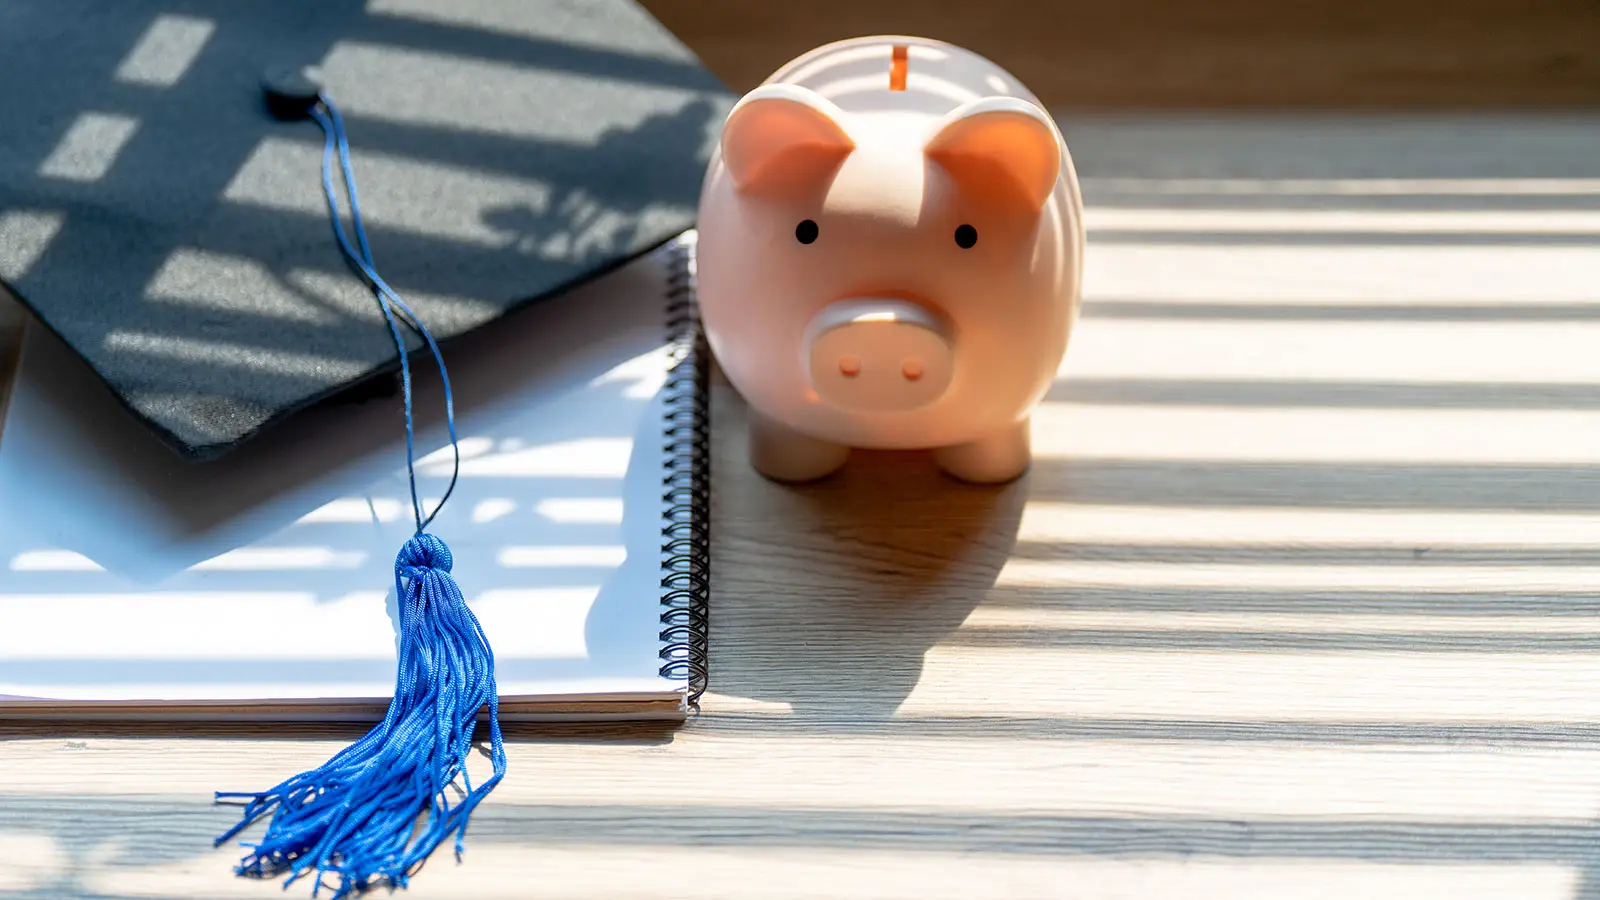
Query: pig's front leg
{"type": "Point", "coordinates": [783, 454]}
{"type": "Point", "coordinates": [999, 457]}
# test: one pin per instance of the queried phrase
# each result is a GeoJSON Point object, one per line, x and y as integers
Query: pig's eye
{"type": "Point", "coordinates": [966, 237]}
{"type": "Point", "coordinates": [806, 231]}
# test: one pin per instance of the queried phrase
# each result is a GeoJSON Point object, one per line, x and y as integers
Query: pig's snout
{"type": "Point", "coordinates": [885, 355]}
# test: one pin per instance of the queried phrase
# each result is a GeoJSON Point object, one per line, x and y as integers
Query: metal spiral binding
{"type": "Point", "coordinates": [686, 533]}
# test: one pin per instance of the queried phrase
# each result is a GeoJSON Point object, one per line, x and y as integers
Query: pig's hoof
{"type": "Point", "coordinates": [783, 454]}
{"type": "Point", "coordinates": [996, 459]}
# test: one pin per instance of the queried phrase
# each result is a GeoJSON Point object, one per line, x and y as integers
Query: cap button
{"type": "Point", "coordinates": [290, 91]}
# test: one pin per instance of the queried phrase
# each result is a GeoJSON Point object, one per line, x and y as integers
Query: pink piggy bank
{"type": "Point", "coordinates": [889, 257]}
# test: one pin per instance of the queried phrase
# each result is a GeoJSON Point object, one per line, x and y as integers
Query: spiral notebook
{"type": "Point", "coordinates": [134, 584]}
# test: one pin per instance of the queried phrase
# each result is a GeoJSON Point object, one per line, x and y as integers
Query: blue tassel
{"type": "Point", "coordinates": [356, 816]}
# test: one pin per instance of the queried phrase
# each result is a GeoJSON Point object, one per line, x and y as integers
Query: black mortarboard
{"type": "Point", "coordinates": [158, 217]}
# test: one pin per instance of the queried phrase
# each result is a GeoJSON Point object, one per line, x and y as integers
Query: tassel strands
{"type": "Point", "coordinates": [356, 817]}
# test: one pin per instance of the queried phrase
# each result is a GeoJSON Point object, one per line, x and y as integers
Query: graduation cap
{"type": "Point", "coordinates": [156, 217]}
{"type": "Point", "coordinates": [165, 200]}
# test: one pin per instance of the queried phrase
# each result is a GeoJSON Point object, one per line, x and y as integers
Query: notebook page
{"type": "Point", "coordinates": [128, 575]}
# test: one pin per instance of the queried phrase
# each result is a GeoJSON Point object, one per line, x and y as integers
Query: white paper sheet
{"type": "Point", "coordinates": [128, 575]}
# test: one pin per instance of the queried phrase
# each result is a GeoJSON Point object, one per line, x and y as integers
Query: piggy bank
{"type": "Point", "coordinates": [889, 254]}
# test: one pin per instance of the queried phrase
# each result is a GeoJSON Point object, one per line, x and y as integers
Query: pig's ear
{"type": "Point", "coordinates": [999, 144]}
{"type": "Point", "coordinates": [780, 132]}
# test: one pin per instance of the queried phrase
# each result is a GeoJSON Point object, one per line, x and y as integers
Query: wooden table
{"type": "Point", "coordinates": [1300, 600]}
{"type": "Point", "coordinates": [1220, 54]}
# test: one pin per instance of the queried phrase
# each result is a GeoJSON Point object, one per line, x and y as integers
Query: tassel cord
{"type": "Point", "coordinates": [336, 142]}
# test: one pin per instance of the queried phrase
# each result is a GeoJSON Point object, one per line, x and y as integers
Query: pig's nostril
{"type": "Point", "coordinates": [849, 366]}
{"type": "Point", "coordinates": [911, 369]}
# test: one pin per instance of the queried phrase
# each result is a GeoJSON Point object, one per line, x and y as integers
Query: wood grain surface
{"type": "Point", "coordinates": [1176, 54]}
{"type": "Point", "coordinates": [1301, 598]}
